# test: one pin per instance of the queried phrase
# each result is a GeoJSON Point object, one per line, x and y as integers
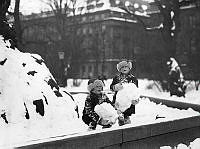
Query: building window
{"type": "Point", "coordinates": [83, 70]}
{"type": "Point", "coordinates": [97, 17]}
{"type": "Point", "coordinates": [80, 9]}
{"type": "Point", "coordinates": [84, 30]}
{"type": "Point", "coordinates": [103, 16]}
{"type": "Point", "coordinates": [89, 7]}
{"type": "Point", "coordinates": [89, 68]}
{"type": "Point", "coordinates": [192, 21]}
{"type": "Point", "coordinates": [90, 30]}
{"type": "Point", "coordinates": [84, 19]}
{"type": "Point", "coordinates": [78, 31]}
{"type": "Point", "coordinates": [99, 5]}
{"type": "Point", "coordinates": [91, 18]}
{"type": "Point", "coordinates": [193, 45]}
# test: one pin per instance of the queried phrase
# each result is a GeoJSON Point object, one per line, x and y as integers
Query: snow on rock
{"type": "Point", "coordinates": [30, 97]}
{"type": "Point", "coordinates": [125, 96]}
{"type": "Point", "coordinates": [107, 112]}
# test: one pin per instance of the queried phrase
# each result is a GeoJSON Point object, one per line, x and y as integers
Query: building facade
{"type": "Point", "coordinates": [95, 42]}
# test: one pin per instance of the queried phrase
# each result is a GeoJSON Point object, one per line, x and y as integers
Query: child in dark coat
{"type": "Point", "coordinates": [124, 76]}
{"type": "Point", "coordinates": [95, 97]}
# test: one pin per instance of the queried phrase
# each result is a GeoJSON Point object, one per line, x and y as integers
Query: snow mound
{"type": "Point", "coordinates": [29, 94]}
{"type": "Point", "coordinates": [126, 96]}
{"type": "Point", "coordinates": [195, 144]}
{"type": "Point", "coordinates": [107, 112]}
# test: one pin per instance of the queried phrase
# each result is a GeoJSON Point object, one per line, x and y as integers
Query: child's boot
{"type": "Point", "coordinates": [92, 126]}
{"type": "Point", "coordinates": [127, 120]}
{"type": "Point", "coordinates": [107, 126]}
{"type": "Point", "coordinates": [121, 120]}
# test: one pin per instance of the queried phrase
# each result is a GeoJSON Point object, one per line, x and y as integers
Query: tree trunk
{"type": "Point", "coordinates": [5, 30]}
{"type": "Point", "coordinates": [4, 5]}
{"type": "Point", "coordinates": [17, 25]}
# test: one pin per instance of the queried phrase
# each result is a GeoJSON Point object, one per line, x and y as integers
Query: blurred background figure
{"type": "Point", "coordinates": [176, 80]}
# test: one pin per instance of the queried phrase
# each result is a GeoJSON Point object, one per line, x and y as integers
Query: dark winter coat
{"type": "Point", "coordinates": [176, 86]}
{"type": "Point", "coordinates": [127, 78]}
{"type": "Point", "coordinates": [89, 115]}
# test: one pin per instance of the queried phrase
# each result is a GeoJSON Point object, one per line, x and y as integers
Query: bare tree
{"type": "Point", "coordinates": [64, 12]}
{"type": "Point", "coordinates": [5, 30]}
{"type": "Point", "coordinates": [17, 24]}
{"type": "Point", "coordinates": [170, 25]}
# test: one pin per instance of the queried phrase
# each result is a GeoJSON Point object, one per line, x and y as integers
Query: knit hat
{"type": "Point", "coordinates": [94, 83]}
{"type": "Point", "coordinates": [124, 63]}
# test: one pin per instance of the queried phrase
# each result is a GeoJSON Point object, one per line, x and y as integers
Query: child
{"type": "Point", "coordinates": [124, 76]}
{"type": "Point", "coordinates": [95, 97]}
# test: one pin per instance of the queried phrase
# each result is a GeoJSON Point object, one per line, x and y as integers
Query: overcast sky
{"type": "Point", "coordinates": [34, 6]}
{"type": "Point", "coordinates": [31, 6]}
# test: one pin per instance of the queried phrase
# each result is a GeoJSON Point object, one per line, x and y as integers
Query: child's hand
{"type": "Point", "coordinates": [104, 122]}
{"type": "Point", "coordinates": [118, 86]}
{"type": "Point", "coordinates": [134, 102]}
{"type": "Point", "coordinates": [121, 117]}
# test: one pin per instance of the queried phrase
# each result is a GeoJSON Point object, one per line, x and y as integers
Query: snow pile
{"type": "Point", "coordinates": [107, 112]}
{"type": "Point", "coordinates": [154, 89]}
{"type": "Point", "coordinates": [126, 96]}
{"type": "Point", "coordinates": [31, 103]}
{"type": "Point", "coordinates": [193, 145]}
{"type": "Point", "coordinates": [148, 112]}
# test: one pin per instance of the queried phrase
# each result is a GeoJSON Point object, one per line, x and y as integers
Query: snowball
{"type": "Point", "coordinates": [125, 96]}
{"type": "Point", "coordinates": [107, 112]}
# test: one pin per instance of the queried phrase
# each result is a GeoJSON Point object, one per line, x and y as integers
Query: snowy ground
{"type": "Point", "coordinates": [141, 117]}
{"type": "Point", "coordinates": [152, 110]}
{"type": "Point", "coordinates": [148, 88]}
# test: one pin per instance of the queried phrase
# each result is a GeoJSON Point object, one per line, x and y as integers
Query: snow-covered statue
{"type": "Point", "coordinates": [176, 80]}
{"type": "Point", "coordinates": [125, 86]}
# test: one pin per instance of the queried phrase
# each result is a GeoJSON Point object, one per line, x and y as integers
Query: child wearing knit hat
{"type": "Point", "coordinates": [124, 76]}
{"type": "Point", "coordinates": [95, 97]}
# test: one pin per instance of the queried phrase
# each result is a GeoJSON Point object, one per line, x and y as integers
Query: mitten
{"type": "Point", "coordinates": [118, 87]}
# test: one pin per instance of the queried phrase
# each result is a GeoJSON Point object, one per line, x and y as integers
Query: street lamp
{"type": "Point", "coordinates": [61, 56]}
{"type": "Point", "coordinates": [104, 48]}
